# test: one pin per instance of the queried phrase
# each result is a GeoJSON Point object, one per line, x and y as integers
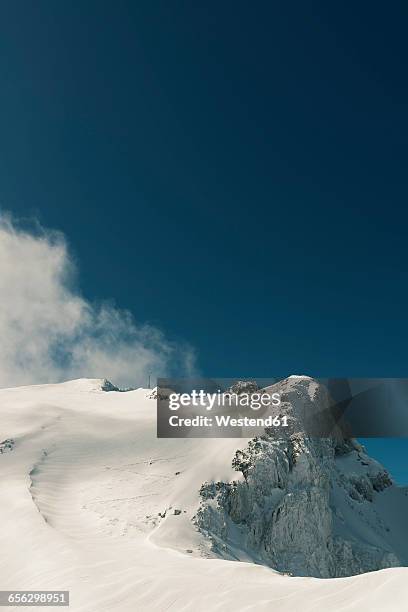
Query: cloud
{"type": "Point", "coordinates": [50, 333]}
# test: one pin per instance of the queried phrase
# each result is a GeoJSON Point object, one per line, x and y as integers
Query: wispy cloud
{"type": "Point", "coordinates": [49, 332]}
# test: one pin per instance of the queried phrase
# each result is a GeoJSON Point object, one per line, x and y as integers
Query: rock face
{"type": "Point", "coordinates": [301, 505]}
{"type": "Point", "coordinates": [108, 386]}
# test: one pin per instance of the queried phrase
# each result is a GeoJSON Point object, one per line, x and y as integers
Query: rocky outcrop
{"type": "Point", "coordinates": [299, 504]}
{"type": "Point", "coordinates": [244, 386]}
{"type": "Point", "coordinates": [108, 386]}
{"type": "Point", "coordinates": [6, 446]}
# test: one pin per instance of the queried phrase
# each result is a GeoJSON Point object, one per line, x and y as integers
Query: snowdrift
{"type": "Point", "coordinates": [92, 502]}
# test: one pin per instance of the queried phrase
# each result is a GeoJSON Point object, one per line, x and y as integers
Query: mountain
{"type": "Point", "coordinates": [92, 502]}
{"type": "Point", "coordinates": [307, 506]}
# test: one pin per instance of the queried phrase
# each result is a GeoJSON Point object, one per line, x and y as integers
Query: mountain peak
{"type": "Point", "coordinates": [307, 506]}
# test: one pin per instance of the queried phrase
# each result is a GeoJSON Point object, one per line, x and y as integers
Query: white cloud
{"type": "Point", "coordinates": [49, 333]}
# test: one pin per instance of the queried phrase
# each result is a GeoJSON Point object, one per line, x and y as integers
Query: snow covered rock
{"type": "Point", "coordinates": [305, 506]}
{"type": "Point", "coordinates": [244, 386]}
{"type": "Point", "coordinates": [108, 386]}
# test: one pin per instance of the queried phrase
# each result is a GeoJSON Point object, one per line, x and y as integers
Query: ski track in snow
{"type": "Point", "coordinates": [80, 497]}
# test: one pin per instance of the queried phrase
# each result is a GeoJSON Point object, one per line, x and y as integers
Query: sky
{"type": "Point", "coordinates": [231, 175]}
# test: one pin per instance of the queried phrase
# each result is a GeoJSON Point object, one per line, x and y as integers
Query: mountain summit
{"type": "Point", "coordinates": [307, 506]}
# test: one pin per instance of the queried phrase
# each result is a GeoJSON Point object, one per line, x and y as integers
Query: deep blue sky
{"type": "Point", "coordinates": [233, 173]}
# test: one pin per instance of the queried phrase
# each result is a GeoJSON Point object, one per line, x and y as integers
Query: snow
{"type": "Point", "coordinates": [87, 503]}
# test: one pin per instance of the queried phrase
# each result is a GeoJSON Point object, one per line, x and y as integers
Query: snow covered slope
{"type": "Point", "coordinates": [92, 502]}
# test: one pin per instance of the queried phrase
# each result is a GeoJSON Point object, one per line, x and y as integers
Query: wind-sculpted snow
{"type": "Point", "coordinates": [92, 502]}
{"type": "Point", "coordinates": [303, 506]}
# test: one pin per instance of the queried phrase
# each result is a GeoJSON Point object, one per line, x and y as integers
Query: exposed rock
{"type": "Point", "coordinates": [381, 480]}
{"type": "Point", "coordinates": [288, 508]}
{"type": "Point", "coordinates": [108, 386]}
{"type": "Point", "coordinates": [244, 386]}
{"type": "Point", "coordinates": [6, 446]}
